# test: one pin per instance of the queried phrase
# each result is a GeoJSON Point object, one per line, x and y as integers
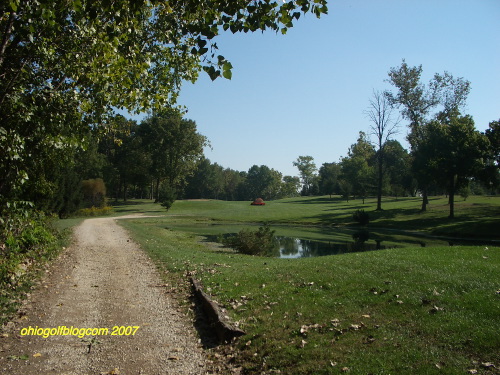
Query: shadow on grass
{"type": "Point", "coordinates": [471, 221]}
{"type": "Point", "coordinates": [131, 206]}
{"type": "Point", "coordinates": [317, 200]}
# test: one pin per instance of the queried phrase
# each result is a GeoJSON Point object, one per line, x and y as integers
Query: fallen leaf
{"type": "Point", "coordinates": [115, 371]}
{"type": "Point", "coordinates": [435, 309]}
{"type": "Point", "coordinates": [487, 365]}
{"type": "Point", "coordinates": [370, 339]}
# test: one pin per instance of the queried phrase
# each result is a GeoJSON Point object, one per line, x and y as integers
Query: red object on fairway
{"type": "Point", "coordinates": [258, 202]}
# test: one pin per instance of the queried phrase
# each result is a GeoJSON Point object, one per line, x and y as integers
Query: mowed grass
{"type": "Point", "coordinates": [432, 310]}
{"type": "Point", "coordinates": [478, 217]}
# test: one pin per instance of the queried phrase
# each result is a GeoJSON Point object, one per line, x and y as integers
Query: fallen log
{"type": "Point", "coordinates": [224, 330]}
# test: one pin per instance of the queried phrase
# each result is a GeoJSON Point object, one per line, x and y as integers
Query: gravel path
{"type": "Point", "coordinates": [103, 280]}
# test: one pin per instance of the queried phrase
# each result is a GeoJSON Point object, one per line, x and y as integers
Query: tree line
{"type": "Point", "coordinates": [447, 154]}
{"type": "Point", "coordinates": [162, 157]}
{"type": "Point", "coordinates": [66, 67]}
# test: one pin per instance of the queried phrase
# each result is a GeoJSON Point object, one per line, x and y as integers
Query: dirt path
{"type": "Point", "coordinates": [103, 280]}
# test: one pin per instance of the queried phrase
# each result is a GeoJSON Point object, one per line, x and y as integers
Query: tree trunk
{"type": "Point", "coordinates": [157, 192]}
{"type": "Point", "coordinates": [425, 199]}
{"type": "Point", "coordinates": [379, 184]}
{"type": "Point", "coordinates": [452, 198]}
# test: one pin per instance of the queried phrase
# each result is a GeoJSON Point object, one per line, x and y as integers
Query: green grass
{"type": "Point", "coordinates": [478, 217]}
{"type": "Point", "coordinates": [415, 310]}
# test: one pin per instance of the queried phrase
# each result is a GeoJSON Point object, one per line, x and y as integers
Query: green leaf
{"type": "Point", "coordinates": [212, 73]}
{"type": "Point", "coordinates": [228, 74]}
{"type": "Point", "coordinates": [226, 70]}
{"type": "Point", "coordinates": [13, 5]}
{"type": "Point", "coordinates": [201, 43]}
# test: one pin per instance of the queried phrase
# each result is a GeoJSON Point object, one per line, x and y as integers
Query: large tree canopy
{"type": "Point", "coordinates": [451, 153]}
{"type": "Point", "coordinates": [66, 65]}
{"type": "Point", "coordinates": [417, 99]}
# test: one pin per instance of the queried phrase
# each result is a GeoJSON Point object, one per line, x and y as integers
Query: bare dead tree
{"type": "Point", "coordinates": [383, 126]}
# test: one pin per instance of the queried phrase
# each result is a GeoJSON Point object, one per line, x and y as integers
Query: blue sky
{"type": "Point", "coordinates": [304, 93]}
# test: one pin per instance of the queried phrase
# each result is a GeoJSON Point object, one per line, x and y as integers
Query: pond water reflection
{"type": "Point", "coordinates": [301, 242]}
{"type": "Point", "coordinates": [290, 247]}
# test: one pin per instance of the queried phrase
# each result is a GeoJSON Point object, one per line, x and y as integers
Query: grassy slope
{"type": "Point", "coordinates": [405, 311]}
{"type": "Point", "coordinates": [476, 217]}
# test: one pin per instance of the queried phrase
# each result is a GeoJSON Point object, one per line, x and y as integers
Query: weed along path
{"type": "Point", "coordinates": [103, 310]}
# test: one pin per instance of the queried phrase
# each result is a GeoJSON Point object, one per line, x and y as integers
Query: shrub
{"type": "Point", "coordinates": [94, 211]}
{"type": "Point", "coordinates": [167, 196]}
{"type": "Point", "coordinates": [361, 217]}
{"type": "Point", "coordinates": [464, 192]}
{"type": "Point", "coordinates": [260, 242]}
{"type": "Point", "coordinates": [94, 193]}
{"type": "Point", "coordinates": [26, 243]}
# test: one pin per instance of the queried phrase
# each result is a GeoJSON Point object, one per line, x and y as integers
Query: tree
{"type": "Point", "coordinates": [233, 180]}
{"type": "Point", "coordinates": [174, 145]}
{"type": "Point", "coordinates": [380, 113]}
{"type": "Point", "coordinates": [307, 170]}
{"type": "Point", "coordinates": [207, 181]}
{"type": "Point", "coordinates": [493, 134]}
{"type": "Point", "coordinates": [66, 65]}
{"type": "Point", "coordinates": [417, 100]}
{"type": "Point", "coordinates": [263, 182]}
{"type": "Point", "coordinates": [329, 178]}
{"type": "Point", "coordinates": [290, 187]}
{"type": "Point", "coordinates": [453, 152]}
{"type": "Point", "coordinates": [398, 169]}
{"type": "Point", "coordinates": [357, 171]}
{"type": "Point", "coordinates": [492, 171]}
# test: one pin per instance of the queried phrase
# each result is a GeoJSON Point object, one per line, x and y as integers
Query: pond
{"type": "Point", "coordinates": [301, 242]}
